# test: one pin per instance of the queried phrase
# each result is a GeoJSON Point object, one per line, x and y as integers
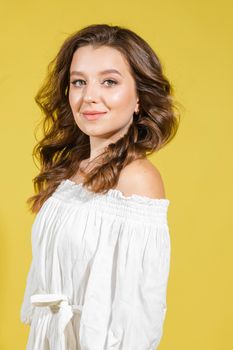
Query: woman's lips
{"type": "Point", "coordinates": [93, 116]}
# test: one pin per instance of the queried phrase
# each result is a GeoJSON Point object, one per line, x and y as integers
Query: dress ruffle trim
{"type": "Point", "coordinates": [115, 193]}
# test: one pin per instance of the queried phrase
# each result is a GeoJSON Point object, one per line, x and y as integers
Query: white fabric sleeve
{"type": "Point", "coordinates": [139, 305]}
{"type": "Point", "coordinates": [27, 309]}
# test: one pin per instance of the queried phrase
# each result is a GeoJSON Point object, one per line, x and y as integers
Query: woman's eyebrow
{"type": "Point", "coordinates": [75, 72]}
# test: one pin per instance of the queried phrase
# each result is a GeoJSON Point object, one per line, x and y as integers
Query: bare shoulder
{"type": "Point", "coordinates": [143, 178]}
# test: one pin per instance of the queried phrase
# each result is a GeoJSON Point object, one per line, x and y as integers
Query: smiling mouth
{"type": "Point", "coordinates": [93, 116]}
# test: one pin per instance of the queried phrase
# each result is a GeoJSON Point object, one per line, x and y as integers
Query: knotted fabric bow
{"type": "Point", "coordinates": [62, 313]}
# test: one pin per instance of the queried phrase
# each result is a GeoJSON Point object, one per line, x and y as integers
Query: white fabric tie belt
{"type": "Point", "coordinates": [62, 314]}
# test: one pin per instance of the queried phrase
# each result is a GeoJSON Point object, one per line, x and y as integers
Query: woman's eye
{"type": "Point", "coordinates": [75, 81]}
{"type": "Point", "coordinates": [113, 82]}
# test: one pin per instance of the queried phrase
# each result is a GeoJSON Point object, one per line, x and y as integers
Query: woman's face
{"type": "Point", "coordinates": [92, 88]}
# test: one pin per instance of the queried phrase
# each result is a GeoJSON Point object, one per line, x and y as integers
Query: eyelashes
{"type": "Point", "coordinates": [113, 82]}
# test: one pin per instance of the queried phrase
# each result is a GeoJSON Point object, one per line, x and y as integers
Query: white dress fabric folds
{"type": "Point", "coordinates": [99, 271]}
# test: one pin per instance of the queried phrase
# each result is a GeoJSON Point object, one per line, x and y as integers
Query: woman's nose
{"type": "Point", "coordinates": [91, 92]}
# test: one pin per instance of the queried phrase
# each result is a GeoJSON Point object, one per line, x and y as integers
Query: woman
{"type": "Point", "coordinates": [100, 239]}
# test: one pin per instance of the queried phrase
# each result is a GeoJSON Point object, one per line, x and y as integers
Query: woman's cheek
{"type": "Point", "coordinates": [118, 97]}
{"type": "Point", "coordinates": [74, 100]}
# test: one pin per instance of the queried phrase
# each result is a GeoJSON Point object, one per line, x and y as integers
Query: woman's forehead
{"type": "Point", "coordinates": [101, 59]}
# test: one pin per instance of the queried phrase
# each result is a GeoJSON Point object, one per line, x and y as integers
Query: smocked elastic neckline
{"type": "Point", "coordinates": [115, 193]}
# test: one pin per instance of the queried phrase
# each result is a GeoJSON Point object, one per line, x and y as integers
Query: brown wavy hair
{"type": "Point", "coordinates": [64, 145]}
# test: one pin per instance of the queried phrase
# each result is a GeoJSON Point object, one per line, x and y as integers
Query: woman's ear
{"type": "Point", "coordinates": [137, 107]}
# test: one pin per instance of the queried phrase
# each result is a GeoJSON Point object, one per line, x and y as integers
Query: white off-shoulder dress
{"type": "Point", "coordinates": [99, 271]}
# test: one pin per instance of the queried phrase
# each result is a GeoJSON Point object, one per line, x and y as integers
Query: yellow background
{"type": "Point", "coordinates": [194, 43]}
